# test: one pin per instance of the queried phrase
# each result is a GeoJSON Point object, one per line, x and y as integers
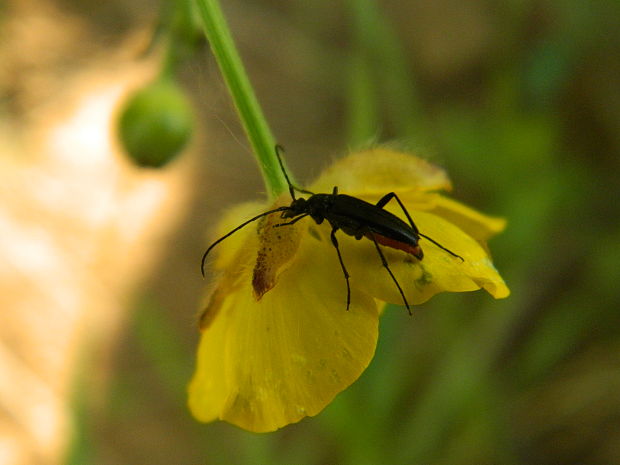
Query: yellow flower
{"type": "Point", "coordinates": [277, 341]}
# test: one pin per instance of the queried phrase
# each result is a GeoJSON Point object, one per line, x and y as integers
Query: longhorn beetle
{"type": "Point", "coordinates": [352, 216]}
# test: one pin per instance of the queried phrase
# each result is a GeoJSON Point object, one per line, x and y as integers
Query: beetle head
{"type": "Point", "coordinates": [296, 208]}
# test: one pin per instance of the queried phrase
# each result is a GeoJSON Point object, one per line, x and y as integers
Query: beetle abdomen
{"type": "Point", "coordinates": [414, 250]}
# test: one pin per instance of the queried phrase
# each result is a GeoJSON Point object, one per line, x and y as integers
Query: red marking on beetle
{"type": "Point", "coordinates": [414, 250]}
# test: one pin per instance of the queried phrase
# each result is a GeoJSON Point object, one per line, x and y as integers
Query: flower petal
{"type": "Point", "coordinates": [379, 171]}
{"type": "Point", "coordinates": [264, 364]}
{"type": "Point", "coordinates": [479, 226]}
{"type": "Point", "coordinates": [226, 256]}
{"type": "Point", "coordinates": [278, 245]}
{"type": "Point", "coordinates": [437, 272]}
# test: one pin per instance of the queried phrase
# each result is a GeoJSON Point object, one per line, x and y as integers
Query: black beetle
{"type": "Point", "coordinates": [354, 217]}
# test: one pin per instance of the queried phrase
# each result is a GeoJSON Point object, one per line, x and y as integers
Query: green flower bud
{"type": "Point", "coordinates": [155, 123]}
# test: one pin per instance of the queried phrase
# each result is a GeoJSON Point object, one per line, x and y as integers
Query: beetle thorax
{"type": "Point", "coordinates": [316, 206]}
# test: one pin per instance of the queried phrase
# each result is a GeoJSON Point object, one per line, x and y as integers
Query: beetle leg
{"type": "Point", "coordinates": [387, 267]}
{"type": "Point", "coordinates": [344, 269]}
{"type": "Point", "coordinates": [293, 221]}
{"type": "Point", "coordinates": [291, 187]}
{"type": "Point", "coordinates": [387, 197]}
{"type": "Point", "coordinates": [441, 247]}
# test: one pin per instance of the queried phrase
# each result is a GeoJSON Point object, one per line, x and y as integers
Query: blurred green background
{"type": "Point", "coordinates": [520, 102]}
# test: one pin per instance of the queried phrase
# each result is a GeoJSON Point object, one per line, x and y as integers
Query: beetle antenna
{"type": "Point", "coordinates": [245, 223]}
{"type": "Point", "coordinates": [291, 187]}
{"type": "Point", "coordinates": [441, 246]}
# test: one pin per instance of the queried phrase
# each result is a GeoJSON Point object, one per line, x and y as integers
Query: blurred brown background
{"type": "Point", "coordinates": [100, 283]}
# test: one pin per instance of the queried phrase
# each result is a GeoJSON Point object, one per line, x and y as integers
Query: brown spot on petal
{"type": "Point", "coordinates": [262, 278]}
{"type": "Point", "coordinates": [277, 247]}
{"type": "Point", "coordinates": [212, 308]}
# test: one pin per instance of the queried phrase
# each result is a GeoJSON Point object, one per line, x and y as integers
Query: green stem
{"type": "Point", "coordinates": [363, 104]}
{"type": "Point", "coordinates": [384, 55]}
{"type": "Point", "coordinates": [180, 32]}
{"type": "Point", "coordinates": [250, 113]}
